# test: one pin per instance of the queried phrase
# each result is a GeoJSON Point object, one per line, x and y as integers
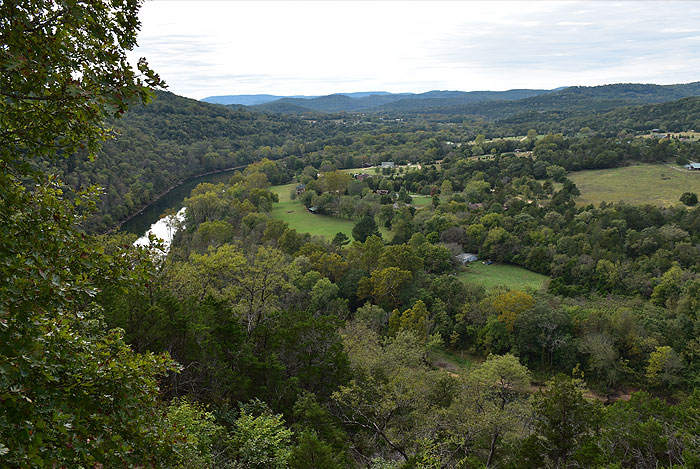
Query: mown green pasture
{"type": "Point", "coordinates": [688, 135]}
{"type": "Point", "coordinates": [639, 184]}
{"type": "Point", "coordinates": [495, 275]}
{"type": "Point", "coordinates": [298, 217]}
{"type": "Point", "coordinates": [421, 200]}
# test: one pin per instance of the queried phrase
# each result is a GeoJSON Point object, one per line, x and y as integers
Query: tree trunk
{"type": "Point", "coordinates": [492, 450]}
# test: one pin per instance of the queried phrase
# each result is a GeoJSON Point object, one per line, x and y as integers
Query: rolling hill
{"type": "Point", "coordinates": [494, 105]}
{"type": "Point", "coordinates": [386, 102]}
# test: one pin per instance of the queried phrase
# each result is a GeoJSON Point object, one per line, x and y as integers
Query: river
{"type": "Point", "coordinates": [149, 219]}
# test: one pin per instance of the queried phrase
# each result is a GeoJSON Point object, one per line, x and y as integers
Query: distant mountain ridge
{"type": "Point", "coordinates": [493, 105]}
{"type": "Point", "coordinates": [256, 99]}
{"type": "Point", "coordinates": [568, 101]}
{"type": "Point", "coordinates": [247, 99]}
{"type": "Point", "coordinates": [358, 102]}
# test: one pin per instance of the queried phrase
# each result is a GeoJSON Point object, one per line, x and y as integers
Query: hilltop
{"type": "Point", "coordinates": [493, 105]}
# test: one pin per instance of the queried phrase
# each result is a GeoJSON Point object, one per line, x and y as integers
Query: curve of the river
{"type": "Point", "coordinates": [144, 221]}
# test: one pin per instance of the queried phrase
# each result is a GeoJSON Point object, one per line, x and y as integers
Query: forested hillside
{"type": "Point", "coordinates": [394, 102]}
{"type": "Point", "coordinates": [171, 139]}
{"type": "Point", "coordinates": [158, 145]}
{"type": "Point", "coordinates": [566, 102]}
{"type": "Point", "coordinates": [493, 105]}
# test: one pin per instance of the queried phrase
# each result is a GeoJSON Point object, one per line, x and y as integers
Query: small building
{"type": "Point", "coordinates": [387, 164]}
{"type": "Point", "coordinates": [693, 166]}
{"type": "Point", "coordinates": [301, 188]}
{"type": "Point", "coordinates": [467, 257]}
{"type": "Point", "coordinates": [362, 176]}
{"type": "Point", "coordinates": [382, 191]}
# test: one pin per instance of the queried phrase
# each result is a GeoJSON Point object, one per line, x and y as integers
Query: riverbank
{"type": "Point", "coordinates": [139, 222]}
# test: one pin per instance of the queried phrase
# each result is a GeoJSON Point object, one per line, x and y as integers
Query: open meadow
{"type": "Point", "coordinates": [510, 276]}
{"type": "Point", "coordinates": [299, 218]}
{"type": "Point", "coordinates": [687, 135]}
{"type": "Point", "coordinates": [377, 170]}
{"type": "Point", "coordinates": [637, 184]}
{"type": "Point", "coordinates": [421, 200]}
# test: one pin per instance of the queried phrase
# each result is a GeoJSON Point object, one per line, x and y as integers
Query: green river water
{"type": "Point", "coordinates": [140, 223]}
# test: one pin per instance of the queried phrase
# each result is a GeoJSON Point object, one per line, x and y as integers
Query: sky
{"type": "Point", "coordinates": [209, 48]}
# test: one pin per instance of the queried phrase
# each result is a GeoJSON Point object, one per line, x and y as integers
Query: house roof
{"type": "Point", "coordinates": [465, 256]}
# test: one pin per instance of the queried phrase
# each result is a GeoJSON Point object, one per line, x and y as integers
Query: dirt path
{"type": "Point", "coordinates": [447, 365]}
{"type": "Point", "coordinates": [676, 168]}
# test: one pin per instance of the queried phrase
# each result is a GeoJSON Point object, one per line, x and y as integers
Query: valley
{"type": "Point", "coordinates": [384, 280]}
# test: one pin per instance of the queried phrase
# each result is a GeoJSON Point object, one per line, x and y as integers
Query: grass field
{"type": "Point", "coordinates": [519, 138]}
{"type": "Point", "coordinates": [421, 200]}
{"type": "Point", "coordinates": [294, 213]}
{"type": "Point", "coordinates": [690, 135]}
{"type": "Point", "coordinates": [639, 184]}
{"type": "Point", "coordinates": [495, 275]}
{"type": "Point", "coordinates": [405, 167]}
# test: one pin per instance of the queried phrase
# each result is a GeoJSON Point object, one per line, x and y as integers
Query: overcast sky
{"type": "Point", "coordinates": [206, 48]}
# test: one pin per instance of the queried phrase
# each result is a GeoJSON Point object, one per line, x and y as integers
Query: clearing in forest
{"type": "Point", "coordinates": [510, 276]}
{"type": "Point", "coordinates": [655, 184]}
{"type": "Point", "coordinates": [299, 218]}
{"type": "Point", "coordinates": [421, 200]}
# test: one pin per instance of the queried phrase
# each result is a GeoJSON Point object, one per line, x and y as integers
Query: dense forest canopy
{"type": "Point", "coordinates": [251, 343]}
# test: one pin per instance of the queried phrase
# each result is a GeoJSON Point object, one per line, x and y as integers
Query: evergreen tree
{"type": "Point", "coordinates": [340, 239]}
{"type": "Point", "coordinates": [365, 228]}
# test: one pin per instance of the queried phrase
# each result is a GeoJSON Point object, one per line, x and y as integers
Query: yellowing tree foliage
{"type": "Point", "coordinates": [510, 304]}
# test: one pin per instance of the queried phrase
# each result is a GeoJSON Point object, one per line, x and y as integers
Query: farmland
{"type": "Point", "coordinates": [398, 168]}
{"type": "Point", "coordinates": [688, 135]}
{"type": "Point", "coordinates": [299, 218]}
{"type": "Point", "coordinates": [638, 184]}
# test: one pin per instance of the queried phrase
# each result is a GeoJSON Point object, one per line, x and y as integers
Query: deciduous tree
{"type": "Point", "coordinates": [72, 393]}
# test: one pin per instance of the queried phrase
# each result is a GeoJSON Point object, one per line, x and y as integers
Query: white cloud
{"type": "Point", "coordinates": [204, 48]}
